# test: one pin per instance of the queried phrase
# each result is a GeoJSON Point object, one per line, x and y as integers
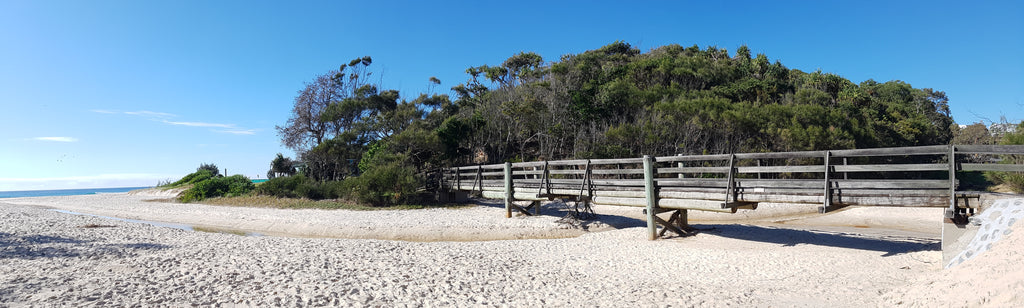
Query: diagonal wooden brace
{"type": "Point", "coordinates": [535, 205]}
{"type": "Point", "coordinates": [677, 223]}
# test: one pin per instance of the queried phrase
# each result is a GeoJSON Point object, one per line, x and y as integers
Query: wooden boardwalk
{"type": "Point", "coordinates": [925, 176]}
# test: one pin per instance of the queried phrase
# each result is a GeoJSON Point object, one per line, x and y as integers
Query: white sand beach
{"type": "Point", "coordinates": [473, 256]}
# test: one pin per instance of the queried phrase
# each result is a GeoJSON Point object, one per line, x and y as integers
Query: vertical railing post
{"type": "Point", "coordinates": [846, 175]}
{"type": "Point", "coordinates": [730, 186]}
{"type": "Point", "coordinates": [828, 184]}
{"type": "Point", "coordinates": [479, 179]}
{"type": "Point", "coordinates": [508, 190]}
{"type": "Point", "coordinates": [759, 171]}
{"type": "Point", "coordinates": [545, 182]}
{"type": "Point", "coordinates": [952, 182]}
{"type": "Point", "coordinates": [651, 193]}
{"type": "Point", "coordinates": [441, 176]}
{"type": "Point", "coordinates": [680, 165]}
{"type": "Point", "coordinates": [458, 179]}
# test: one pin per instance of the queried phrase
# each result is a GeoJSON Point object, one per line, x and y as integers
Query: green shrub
{"type": "Point", "coordinates": [385, 185]}
{"type": "Point", "coordinates": [300, 186]}
{"type": "Point", "coordinates": [1015, 181]}
{"type": "Point", "coordinates": [209, 167]}
{"type": "Point", "coordinates": [1012, 180]}
{"type": "Point", "coordinates": [310, 190]}
{"type": "Point", "coordinates": [239, 185]}
{"type": "Point", "coordinates": [282, 187]}
{"type": "Point", "coordinates": [193, 178]}
{"type": "Point", "coordinates": [232, 186]}
{"type": "Point", "coordinates": [334, 190]}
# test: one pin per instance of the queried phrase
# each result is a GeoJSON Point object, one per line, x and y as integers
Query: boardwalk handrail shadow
{"type": "Point", "coordinates": [890, 245]}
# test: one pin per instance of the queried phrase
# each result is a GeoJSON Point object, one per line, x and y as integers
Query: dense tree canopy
{"type": "Point", "coordinates": [615, 101]}
{"type": "Point", "coordinates": [618, 102]}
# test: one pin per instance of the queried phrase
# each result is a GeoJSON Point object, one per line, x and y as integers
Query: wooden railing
{"type": "Point", "coordinates": [905, 176]}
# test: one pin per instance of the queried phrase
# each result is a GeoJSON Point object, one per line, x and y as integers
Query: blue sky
{"type": "Point", "coordinates": [127, 93]}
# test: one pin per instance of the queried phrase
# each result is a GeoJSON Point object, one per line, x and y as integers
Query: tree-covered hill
{"type": "Point", "coordinates": [618, 102]}
{"type": "Point", "coordinates": [614, 101]}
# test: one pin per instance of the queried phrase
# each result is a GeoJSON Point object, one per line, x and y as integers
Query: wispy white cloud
{"type": "Point", "coordinates": [55, 139]}
{"type": "Point", "coordinates": [140, 113]}
{"type": "Point", "coordinates": [201, 124]}
{"type": "Point", "coordinates": [153, 114]}
{"type": "Point", "coordinates": [164, 117]}
{"type": "Point", "coordinates": [238, 131]}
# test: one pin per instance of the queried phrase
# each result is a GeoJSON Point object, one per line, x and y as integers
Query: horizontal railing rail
{"type": "Point", "coordinates": [901, 176]}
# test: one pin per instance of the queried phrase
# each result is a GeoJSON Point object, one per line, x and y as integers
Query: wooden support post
{"type": "Point", "coordinates": [583, 184]}
{"type": "Point", "coordinates": [544, 189]}
{"type": "Point", "coordinates": [547, 177]}
{"type": "Point", "coordinates": [509, 197]}
{"type": "Point", "coordinates": [545, 186]}
{"type": "Point", "coordinates": [683, 221]}
{"type": "Point", "coordinates": [828, 184]}
{"type": "Point", "coordinates": [479, 178]}
{"type": "Point", "coordinates": [730, 189]}
{"type": "Point", "coordinates": [951, 213]}
{"type": "Point", "coordinates": [458, 180]}
{"type": "Point", "coordinates": [651, 194]}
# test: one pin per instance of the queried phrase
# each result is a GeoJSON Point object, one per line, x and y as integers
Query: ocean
{"type": "Point", "coordinates": [65, 192]}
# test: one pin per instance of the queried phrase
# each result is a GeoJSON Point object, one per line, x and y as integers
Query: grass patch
{"type": "Point", "coordinates": [295, 203]}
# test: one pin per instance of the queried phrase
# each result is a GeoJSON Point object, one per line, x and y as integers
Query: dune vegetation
{"type": "Point", "coordinates": [359, 142]}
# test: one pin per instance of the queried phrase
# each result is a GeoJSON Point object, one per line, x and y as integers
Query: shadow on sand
{"type": "Point", "coordinates": [890, 245]}
{"type": "Point", "coordinates": [14, 246]}
{"type": "Point", "coordinates": [559, 209]}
